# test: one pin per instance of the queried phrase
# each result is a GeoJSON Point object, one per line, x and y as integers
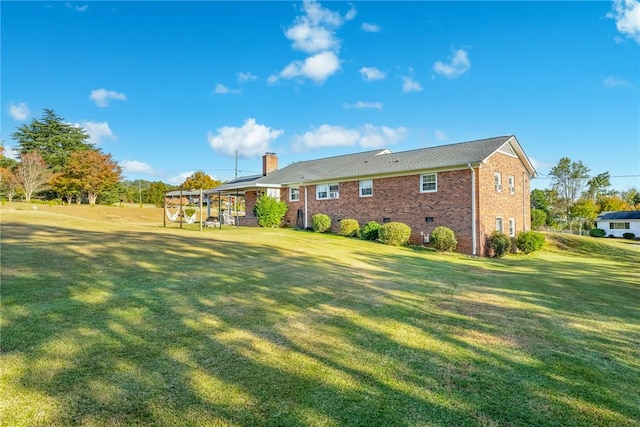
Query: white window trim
{"type": "Point", "coordinates": [512, 227]}
{"type": "Point", "coordinates": [497, 181]}
{"type": "Point", "coordinates": [370, 186]}
{"type": "Point", "coordinates": [422, 190]}
{"type": "Point", "coordinates": [512, 184]}
{"type": "Point", "coordinates": [326, 188]}
{"type": "Point", "coordinates": [501, 229]}
{"type": "Point", "coordinates": [291, 199]}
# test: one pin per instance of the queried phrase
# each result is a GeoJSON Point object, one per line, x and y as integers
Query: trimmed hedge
{"type": "Point", "coordinates": [529, 241]}
{"type": "Point", "coordinates": [370, 231]}
{"type": "Point", "coordinates": [629, 236]}
{"type": "Point", "coordinates": [321, 222]}
{"type": "Point", "coordinates": [349, 228]}
{"type": "Point", "coordinates": [394, 234]}
{"type": "Point", "coordinates": [597, 232]}
{"type": "Point", "coordinates": [443, 239]}
{"type": "Point", "coordinates": [500, 243]}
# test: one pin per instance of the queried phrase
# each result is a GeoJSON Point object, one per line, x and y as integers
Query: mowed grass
{"type": "Point", "coordinates": [108, 318]}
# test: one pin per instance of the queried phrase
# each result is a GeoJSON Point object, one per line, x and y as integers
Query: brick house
{"type": "Point", "coordinates": [472, 187]}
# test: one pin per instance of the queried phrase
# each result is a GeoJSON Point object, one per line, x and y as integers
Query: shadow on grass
{"type": "Point", "coordinates": [165, 329]}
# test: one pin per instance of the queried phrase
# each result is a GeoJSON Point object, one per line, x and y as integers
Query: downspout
{"type": "Point", "coordinates": [305, 208]}
{"type": "Point", "coordinates": [473, 209]}
{"type": "Point", "coordinates": [524, 204]}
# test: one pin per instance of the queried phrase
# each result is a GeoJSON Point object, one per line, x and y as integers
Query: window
{"type": "Point", "coordinates": [512, 184]}
{"type": "Point", "coordinates": [327, 191]}
{"type": "Point", "coordinates": [429, 183]}
{"type": "Point", "coordinates": [618, 226]}
{"type": "Point", "coordinates": [497, 180]}
{"type": "Point", "coordinates": [273, 192]}
{"type": "Point", "coordinates": [499, 224]}
{"type": "Point", "coordinates": [366, 188]}
{"type": "Point", "coordinates": [512, 227]}
{"type": "Point", "coordinates": [294, 194]}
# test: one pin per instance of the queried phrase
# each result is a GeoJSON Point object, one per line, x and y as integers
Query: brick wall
{"type": "Point", "coordinates": [494, 204]}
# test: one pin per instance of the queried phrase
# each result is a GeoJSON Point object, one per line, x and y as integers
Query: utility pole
{"type": "Point", "coordinates": [236, 163]}
{"type": "Point", "coordinates": [140, 192]}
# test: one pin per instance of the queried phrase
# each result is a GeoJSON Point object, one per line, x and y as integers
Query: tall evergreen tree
{"type": "Point", "coordinates": [52, 138]}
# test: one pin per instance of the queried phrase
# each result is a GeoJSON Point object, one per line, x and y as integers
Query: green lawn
{"type": "Point", "coordinates": [108, 320]}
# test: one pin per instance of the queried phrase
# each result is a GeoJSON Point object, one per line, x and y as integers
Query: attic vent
{"type": "Point", "coordinates": [507, 149]}
{"type": "Point", "coordinates": [385, 151]}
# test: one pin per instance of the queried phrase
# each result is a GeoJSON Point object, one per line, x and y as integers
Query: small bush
{"type": "Point", "coordinates": [370, 231]}
{"type": "Point", "coordinates": [597, 232]}
{"type": "Point", "coordinates": [270, 211]}
{"type": "Point", "coordinates": [394, 233]}
{"type": "Point", "coordinates": [443, 239]}
{"type": "Point", "coordinates": [529, 241]}
{"type": "Point", "coordinates": [629, 236]}
{"type": "Point", "coordinates": [500, 243]}
{"type": "Point", "coordinates": [321, 222]}
{"type": "Point", "coordinates": [349, 228]}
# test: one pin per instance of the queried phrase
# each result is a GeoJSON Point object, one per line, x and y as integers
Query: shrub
{"type": "Point", "coordinates": [394, 233]}
{"type": "Point", "coordinates": [443, 239]}
{"type": "Point", "coordinates": [500, 243]}
{"type": "Point", "coordinates": [629, 236]}
{"type": "Point", "coordinates": [270, 211]}
{"type": "Point", "coordinates": [370, 231]}
{"type": "Point", "coordinates": [321, 222]}
{"type": "Point", "coordinates": [529, 241]}
{"type": "Point", "coordinates": [597, 232]}
{"type": "Point", "coordinates": [349, 228]}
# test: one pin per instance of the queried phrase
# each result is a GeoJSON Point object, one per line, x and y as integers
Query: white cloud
{"type": "Point", "coordinates": [314, 31]}
{"type": "Point", "coordinates": [458, 65]}
{"type": "Point", "coordinates": [102, 96]}
{"type": "Point", "coordinates": [627, 16]}
{"type": "Point", "coordinates": [134, 166]}
{"type": "Point", "coordinates": [19, 111]}
{"type": "Point", "coordinates": [246, 77]}
{"type": "Point", "coordinates": [372, 73]}
{"type": "Point", "coordinates": [222, 89]}
{"type": "Point", "coordinates": [540, 165]}
{"type": "Point", "coordinates": [180, 178]}
{"type": "Point", "coordinates": [368, 136]}
{"type": "Point", "coordinates": [370, 28]}
{"type": "Point", "coordinates": [440, 136]}
{"type": "Point", "coordinates": [317, 68]}
{"type": "Point", "coordinates": [97, 131]}
{"type": "Point", "coordinates": [77, 8]}
{"type": "Point", "coordinates": [613, 82]}
{"type": "Point", "coordinates": [252, 139]}
{"type": "Point", "coordinates": [410, 85]}
{"type": "Point", "coordinates": [364, 104]}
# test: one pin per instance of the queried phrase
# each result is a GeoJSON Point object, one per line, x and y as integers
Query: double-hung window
{"type": "Point", "coordinates": [366, 188]}
{"type": "Point", "coordinates": [497, 181]}
{"type": "Point", "coordinates": [327, 191]}
{"type": "Point", "coordinates": [428, 183]}
{"type": "Point", "coordinates": [499, 224]}
{"type": "Point", "coordinates": [512, 227]}
{"type": "Point", "coordinates": [294, 194]}
{"type": "Point", "coordinates": [512, 184]}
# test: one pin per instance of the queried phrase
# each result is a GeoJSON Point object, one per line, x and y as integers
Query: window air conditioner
{"type": "Point", "coordinates": [333, 195]}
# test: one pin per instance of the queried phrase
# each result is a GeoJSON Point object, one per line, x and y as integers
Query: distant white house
{"type": "Point", "coordinates": [617, 223]}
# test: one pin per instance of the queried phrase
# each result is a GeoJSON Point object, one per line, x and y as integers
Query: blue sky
{"type": "Point", "coordinates": [169, 88]}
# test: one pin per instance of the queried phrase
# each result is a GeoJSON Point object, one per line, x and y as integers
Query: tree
{"type": "Point", "coordinates": [538, 218]}
{"type": "Point", "coordinates": [612, 204]}
{"type": "Point", "coordinates": [32, 174]}
{"type": "Point", "coordinates": [568, 179]}
{"type": "Point", "coordinates": [585, 211]}
{"type": "Point", "coordinates": [200, 181]}
{"type": "Point", "coordinates": [598, 185]}
{"type": "Point", "coordinates": [66, 186]}
{"type": "Point", "coordinates": [8, 183]}
{"type": "Point", "coordinates": [52, 138]}
{"type": "Point", "coordinates": [96, 171]}
{"type": "Point", "coordinates": [632, 197]}
{"type": "Point", "coordinates": [156, 193]}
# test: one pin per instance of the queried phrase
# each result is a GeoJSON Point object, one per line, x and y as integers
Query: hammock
{"type": "Point", "coordinates": [189, 219]}
{"type": "Point", "coordinates": [172, 216]}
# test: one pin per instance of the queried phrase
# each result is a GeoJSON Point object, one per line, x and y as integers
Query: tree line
{"type": "Point", "coordinates": [57, 162]}
{"type": "Point", "coordinates": [576, 198]}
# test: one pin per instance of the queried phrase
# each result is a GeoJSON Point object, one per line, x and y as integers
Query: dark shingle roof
{"type": "Point", "coordinates": [619, 215]}
{"type": "Point", "coordinates": [382, 162]}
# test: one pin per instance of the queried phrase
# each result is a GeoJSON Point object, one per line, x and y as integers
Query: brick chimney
{"type": "Point", "coordinates": [269, 163]}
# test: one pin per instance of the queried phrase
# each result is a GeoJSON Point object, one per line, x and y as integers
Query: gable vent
{"type": "Point", "coordinates": [508, 150]}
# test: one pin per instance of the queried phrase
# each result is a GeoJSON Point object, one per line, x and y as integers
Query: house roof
{"type": "Point", "coordinates": [618, 215]}
{"type": "Point", "coordinates": [384, 162]}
